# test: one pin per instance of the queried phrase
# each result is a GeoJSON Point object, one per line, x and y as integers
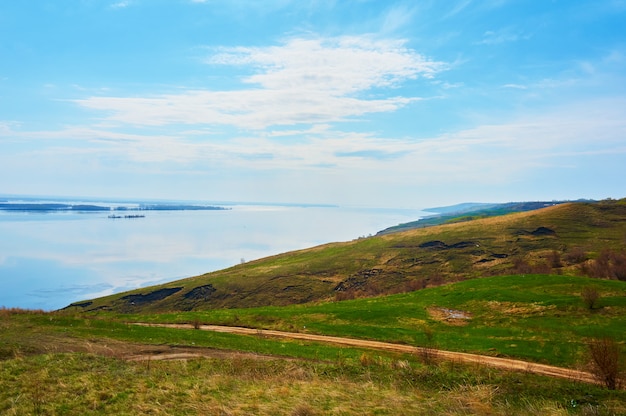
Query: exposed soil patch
{"type": "Point", "coordinates": [450, 316]}
{"type": "Point", "coordinates": [523, 309]}
{"type": "Point", "coordinates": [79, 305]}
{"type": "Point", "coordinates": [440, 245]}
{"type": "Point", "coordinates": [136, 352]}
{"type": "Point", "coordinates": [151, 297]}
{"type": "Point", "coordinates": [538, 232]}
{"type": "Point", "coordinates": [200, 292]}
{"type": "Point", "coordinates": [358, 281]}
{"type": "Point", "coordinates": [541, 231]}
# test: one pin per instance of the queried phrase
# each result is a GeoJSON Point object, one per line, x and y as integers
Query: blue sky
{"type": "Point", "coordinates": [372, 103]}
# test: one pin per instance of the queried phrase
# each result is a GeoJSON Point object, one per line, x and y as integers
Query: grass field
{"type": "Point", "coordinates": [79, 384]}
{"type": "Point", "coordinates": [67, 365]}
{"type": "Point", "coordinates": [541, 318]}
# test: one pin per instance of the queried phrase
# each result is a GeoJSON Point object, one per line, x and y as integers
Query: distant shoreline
{"type": "Point", "coordinates": [57, 207]}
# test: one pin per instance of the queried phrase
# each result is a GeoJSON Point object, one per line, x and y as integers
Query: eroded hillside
{"type": "Point", "coordinates": [572, 239]}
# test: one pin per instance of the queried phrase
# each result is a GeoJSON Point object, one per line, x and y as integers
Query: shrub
{"type": "Point", "coordinates": [605, 361]}
{"type": "Point", "coordinates": [521, 266]}
{"type": "Point", "coordinates": [428, 353]}
{"type": "Point", "coordinates": [303, 410]}
{"type": "Point", "coordinates": [554, 259]}
{"type": "Point", "coordinates": [590, 296]}
{"type": "Point", "coordinates": [609, 265]}
{"type": "Point", "coordinates": [576, 255]}
{"type": "Point", "coordinates": [365, 360]}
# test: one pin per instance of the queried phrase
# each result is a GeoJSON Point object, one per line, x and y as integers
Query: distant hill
{"type": "Point", "coordinates": [470, 211]}
{"type": "Point", "coordinates": [568, 238]}
{"type": "Point", "coordinates": [460, 208]}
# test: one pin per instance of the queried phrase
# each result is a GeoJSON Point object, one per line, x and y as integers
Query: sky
{"type": "Point", "coordinates": [405, 104]}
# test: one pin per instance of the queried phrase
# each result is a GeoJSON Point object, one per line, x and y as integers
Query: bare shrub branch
{"type": "Point", "coordinates": [606, 361]}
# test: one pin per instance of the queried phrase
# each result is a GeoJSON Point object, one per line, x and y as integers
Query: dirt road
{"type": "Point", "coordinates": [503, 363]}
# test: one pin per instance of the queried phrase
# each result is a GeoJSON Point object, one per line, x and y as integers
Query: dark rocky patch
{"type": "Point", "coordinates": [82, 305]}
{"type": "Point", "coordinates": [358, 281]}
{"type": "Point", "coordinates": [543, 231]}
{"type": "Point", "coordinates": [200, 292]}
{"type": "Point", "coordinates": [539, 232]}
{"type": "Point", "coordinates": [151, 297]}
{"type": "Point", "coordinates": [100, 308]}
{"type": "Point", "coordinates": [464, 244]}
{"type": "Point", "coordinates": [78, 305]}
{"type": "Point", "coordinates": [440, 245]}
{"type": "Point", "coordinates": [436, 244]}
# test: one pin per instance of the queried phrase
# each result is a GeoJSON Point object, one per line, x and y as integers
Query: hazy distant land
{"type": "Point", "coordinates": [60, 207]}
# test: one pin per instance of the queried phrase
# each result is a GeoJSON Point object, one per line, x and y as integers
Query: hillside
{"type": "Point", "coordinates": [469, 211]}
{"type": "Point", "coordinates": [571, 239]}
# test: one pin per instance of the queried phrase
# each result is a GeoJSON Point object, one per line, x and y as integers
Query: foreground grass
{"type": "Point", "coordinates": [78, 384]}
{"type": "Point", "coordinates": [55, 364]}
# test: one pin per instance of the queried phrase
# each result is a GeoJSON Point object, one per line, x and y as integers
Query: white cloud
{"type": "Point", "coordinates": [515, 86]}
{"type": "Point", "coordinates": [505, 35]}
{"type": "Point", "coordinates": [591, 126]}
{"type": "Point", "coordinates": [120, 5]}
{"type": "Point", "coordinates": [304, 81]}
{"type": "Point", "coordinates": [326, 164]}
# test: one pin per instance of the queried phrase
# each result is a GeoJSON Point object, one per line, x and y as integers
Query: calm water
{"type": "Point", "coordinates": [50, 260]}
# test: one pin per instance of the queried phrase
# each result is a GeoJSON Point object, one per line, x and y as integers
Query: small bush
{"type": "Point", "coordinates": [428, 353]}
{"type": "Point", "coordinates": [608, 265]}
{"type": "Point", "coordinates": [303, 410]}
{"type": "Point", "coordinates": [606, 361]}
{"type": "Point", "coordinates": [576, 255]}
{"type": "Point", "coordinates": [590, 296]}
{"type": "Point", "coordinates": [365, 360]}
{"type": "Point", "coordinates": [554, 259]}
{"type": "Point", "coordinates": [521, 266]}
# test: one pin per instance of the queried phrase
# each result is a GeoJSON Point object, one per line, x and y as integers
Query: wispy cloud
{"type": "Point", "coordinates": [397, 17]}
{"type": "Point", "coordinates": [458, 8]}
{"type": "Point", "coordinates": [496, 37]}
{"type": "Point", "coordinates": [120, 5]}
{"type": "Point", "coordinates": [303, 81]}
{"type": "Point", "coordinates": [515, 86]}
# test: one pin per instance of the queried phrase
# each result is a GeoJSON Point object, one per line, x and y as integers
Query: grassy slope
{"type": "Point", "coordinates": [468, 212]}
{"type": "Point", "coordinates": [388, 263]}
{"type": "Point", "coordinates": [536, 317]}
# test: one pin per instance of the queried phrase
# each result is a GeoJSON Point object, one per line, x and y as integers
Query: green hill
{"type": "Point", "coordinates": [468, 212]}
{"type": "Point", "coordinates": [571, 239]}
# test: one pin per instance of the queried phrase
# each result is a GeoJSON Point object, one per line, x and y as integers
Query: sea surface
{"type": "Point", "coordinates": [51, 259]}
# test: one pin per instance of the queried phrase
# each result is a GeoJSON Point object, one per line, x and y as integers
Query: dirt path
{"type": "Point", "coordinates": [503, 363]}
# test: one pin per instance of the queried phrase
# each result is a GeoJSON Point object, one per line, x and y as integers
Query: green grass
{"type": "Point", "coordinates": [541, 318]}
{"type": "Point", "coordinates": [78, 384]}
